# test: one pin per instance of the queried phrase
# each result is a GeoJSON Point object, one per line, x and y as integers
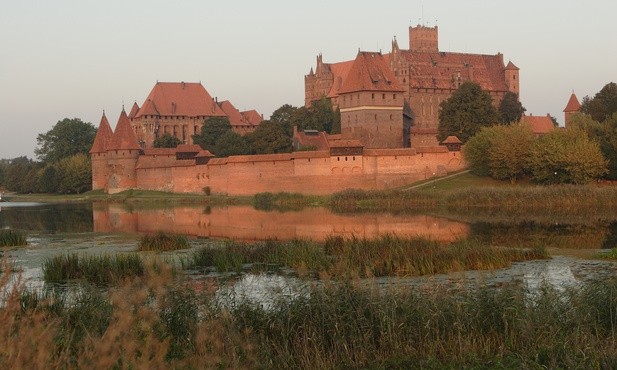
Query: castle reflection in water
{"type": "Point", "coordinates": [247, 223]}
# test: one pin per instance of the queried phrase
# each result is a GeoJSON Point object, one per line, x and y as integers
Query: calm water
{"type": "Point", "coordinates": [112, 228]}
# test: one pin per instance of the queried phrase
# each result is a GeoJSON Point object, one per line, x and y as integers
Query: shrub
{"type": "Point", "coordinates": [161, 242]}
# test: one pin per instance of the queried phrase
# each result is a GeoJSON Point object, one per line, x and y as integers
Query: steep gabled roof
{"type": "Point", "coordinates": [573, 104]}
{"type": "Point", "coordinates": [452, 140]}
{"type": "Point", "coordinates": [124, 137]}
{"type": "Point", "coordinates": [370, 72]}
{"type": "Point", "coordinates": [180, 99]}
{"type": "Point", "coordinates": [512, 66]}
{"type": "Point", "coordinates": [339, 74]}
{"type": "Point", "coordinates": [252, 117]}
{"type": "Point", "coordinates": [540, 125]}
{"type": "Point", "coordinates": [312, 138]}
{"type": "Point", "coordinates": [234, 115]}
{"type": "Point", "coordinates": [134, 110]}
{"type": "Point", "coordinates": [103, 136]}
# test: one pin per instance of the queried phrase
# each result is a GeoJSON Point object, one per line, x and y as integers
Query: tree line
{"type": "Point", "coordinates": [497, 145]}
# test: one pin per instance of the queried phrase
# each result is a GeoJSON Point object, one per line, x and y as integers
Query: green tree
{"type": "Point", "coordinates": [500, 151]}
{"type": "Point", "coordinates": [167, 141]}
{"type": "Point", "coordinates": [566, 157]}
{"type": "Point", "coordinates": [510, 109]}
{"type": "Point", "coordinates": [603, 105]}
{"type": "Point", "coordinates": [605, 134]}
{"type": "Point", "coordinates": [48, 180]}
{"type": "Point", "coordinates": [67, 138]}
{"type": "Point", "coordinates": [212, 130]}
{"type": "Point", "coordinates": [466, 112]}
{"type": "Point", "coordinates": [268, 138]}
{"type": "Point", "coordinates": [509, 150]}
{"type": "Point", "coordinates": [75, 174]}
{"type": "Point", "coordinates": [285, 116]}
{"type": "Point", "coordinates": [232, 143]}
{"type": "Point", "coordinates": [21, 175]}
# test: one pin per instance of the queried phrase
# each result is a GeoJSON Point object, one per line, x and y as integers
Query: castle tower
{"type": "Point", "coordinates": [512, 78]}
{"type": "Point", "coordinates": [98, 154]}
{"type": "Point", "coordinates": [122, 153]}
{"type": "Point", "coordinates": [371, 103]}
{"type": "Point", "coordinates": [423, 39]}
{"type": "Point", "coordinates": [572, 107]}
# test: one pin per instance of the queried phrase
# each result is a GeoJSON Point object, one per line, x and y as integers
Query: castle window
{"type": "Point", "coordinates": [394, 96]}
{"type": "Point", "coordinates": [373, 96]}
{"type": "Point", "coordinates": [390, 117]}
{"type": "Point", "coordinates": [375, 117]}
{"type": "Point", "coordinates": [345, 159]}
{"type": "Point", "coordinates": [383, 96]}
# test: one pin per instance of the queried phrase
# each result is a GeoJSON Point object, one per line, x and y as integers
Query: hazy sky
{"type": "Point", "coordinates": [74, 58]}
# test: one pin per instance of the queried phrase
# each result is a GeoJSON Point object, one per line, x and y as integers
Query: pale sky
{"type": "Point", "coordinates": [76, 58]}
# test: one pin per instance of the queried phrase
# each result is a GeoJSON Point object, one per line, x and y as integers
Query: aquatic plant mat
{"type": "Point", "coordinates": [340, 257]}
{"type": "Point", "coordinates": [162, 322]}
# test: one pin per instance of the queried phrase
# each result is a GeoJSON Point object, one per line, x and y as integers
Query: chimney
{"type": "Point", "coordinates": [182, 85]}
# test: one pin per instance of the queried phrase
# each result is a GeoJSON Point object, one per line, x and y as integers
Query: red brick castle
{"type": "Point", "coordinates": [371, 90]}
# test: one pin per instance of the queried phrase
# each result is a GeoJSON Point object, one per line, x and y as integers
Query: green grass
{"type": "Point", "coordinates": [611, 254]}
{"type": "Point", "coordinates": [352, 257]}
{"type": "Point", "coordinates": [95, 269]}
{"type": "Point", "coordinates": [12, 238]}
{"type": "Point", "coordinates": [162, 242]}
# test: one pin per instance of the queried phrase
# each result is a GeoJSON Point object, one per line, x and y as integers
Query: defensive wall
{"type": "Point", "coordinates": [315, 173]}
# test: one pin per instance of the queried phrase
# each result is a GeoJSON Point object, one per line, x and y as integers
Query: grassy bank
{"type": "Point", "coordinates": [352, 257]}
{"type": "Point", "coordinates": [161, 322]}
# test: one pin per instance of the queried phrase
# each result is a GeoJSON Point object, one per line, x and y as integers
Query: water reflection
{"type": "Point", "coordinates": [247, 223]}
{"type": "Point", "coordinates": [48, 218]}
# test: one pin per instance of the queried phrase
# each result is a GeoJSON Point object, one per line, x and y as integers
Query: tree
{"type": "Point", "coordinates": [232, 143]}
{"type": "Point", "coordinates": [508, 155]}
{"type": "Point", "coordinates": [21, 175]}
{"type": "Point", "coordinates": [603, 105]}
{"type": "Point", "coordinates": [500, 151]}
{"type": "Point", "coordinates": [167, 141]}
{"type": "Point", "coordinates": [466, 112]}
{"type": "Point", "coordinates": [285, 116]}
{"type": "Point", "coordinates": [566, 157]}
{"type": "Point", "coordinates": [268, 138]}
{"type": "Point", "coordinates": [510, 109]}
{"type": "Point", "coordinates": [605, 134]}
{"type": "Point", "coordinates": [75, 174]}
{"type": "Point", "coordinates": [212, 130]}
{"type": "Point", "coordinates": [67, 138]}
{"type": "Point", "coordinates": [48, 179]}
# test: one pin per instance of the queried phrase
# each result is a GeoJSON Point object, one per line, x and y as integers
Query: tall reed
{"type": "Point", "coordinates": [161, 242]}
{"type": "Point", "coordinates": [12, 238]}
{"type": "Point", "coordinates": [96, 269]}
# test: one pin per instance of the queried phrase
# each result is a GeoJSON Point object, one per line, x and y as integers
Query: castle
{"type": "Point", "coordinates": [423, 76]}
{"type": "Point", "coordinates": [179, 109]}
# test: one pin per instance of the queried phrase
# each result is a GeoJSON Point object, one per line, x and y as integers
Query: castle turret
{"type": "Point", "coordinates": [572, 107]}
{"type": "Point", "coordinates": [512, 78]}
{"type": "Point", "coordinates": [424, 39]}
{"type": "Point", "coordinates": [98, 154]}
{"type": "Point", "coordinates": [122, 153]}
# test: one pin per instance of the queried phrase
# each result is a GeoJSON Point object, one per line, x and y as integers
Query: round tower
{"type": "Point", "coordinates": [122, 155]}
{"type": "Point", "coordinates": [98, 155]}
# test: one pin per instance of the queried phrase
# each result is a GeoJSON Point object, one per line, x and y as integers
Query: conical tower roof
{"type": "Point", "coordinates": [134, 110]}
{"type": "Point", "coordinates": [512, 66]}
{"type": "Point", "coordinates": [573, 104]}
{"type": "Point", "coordinates": [370, 72]}
{"type": "Point", "coordinates": [124, 137]}
{"type": "Point", "coordinates": [103, 137]}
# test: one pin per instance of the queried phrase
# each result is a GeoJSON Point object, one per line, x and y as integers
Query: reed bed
{"type": "Point", "coordinates": [12, 238]}
{"type": "Point", "coordinates": [339, 257]}
{"type": "Point", "coordinates": [161, 322]}
{"type": "Point", "coordinates": [162, 242]}
{"type": "Point", "coordinates": [95, 269]}
{"type": "Point", "coordinates": [354, 200]}
{"type": "Point", "coordinates": [281, 201]}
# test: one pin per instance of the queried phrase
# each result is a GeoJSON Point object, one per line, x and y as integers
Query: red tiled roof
{"type": "Point", "coordinates": [180, 99]}
{"type": "Point", "coordinates": [351, 143]}
{"type": "Point", "coordinates": [512, 66]}
{"type": "Point", "coordinates": [442, 70]}
{"type": "Point", "coordinates": [204, 154]}
{"type": "Point", "coordinates": [452, 140]}
{"type": "Point", "coordinates": [134, 110]}
{"type": "Point", "coordinates": [339, 74]}
{"type": "Point", "coordinates": [188, 148]}
{"type": "Point", "coordinates": [124, 137]}
{"type": "Point", "coordinates": [318, 140]}
{"type": "Point", "coordinates": [252, 117]}
{"type": "Point", "coordinates": [160, 151]}
{"type": "Point", "coordinates": [539, 124]}
{"type": "Point", "coordinates": [234, 115]}
{"type": "Point", "coordinates": [370, 72]}
{"type": "Point", "coordinates": [573, 104]}
{"type": "Point", "coordinates": [103, 136]}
